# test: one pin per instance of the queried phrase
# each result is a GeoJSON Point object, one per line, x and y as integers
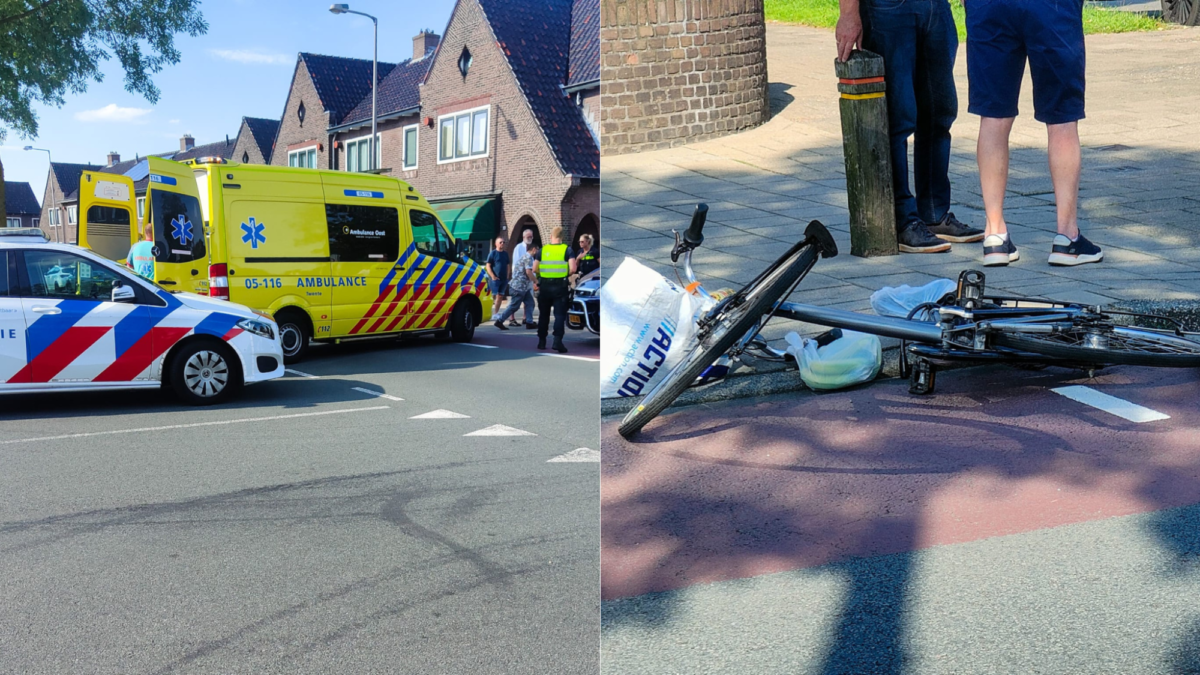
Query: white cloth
{"type": "Point", "coordinates": [517, 253]}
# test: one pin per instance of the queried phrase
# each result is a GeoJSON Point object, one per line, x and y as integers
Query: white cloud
{"type": "Point", "coordinates": [112, 113]}
{"type": "Point", "coordinates": [174, 121]}
{"type": "Point", "coordinates": [252, 57]}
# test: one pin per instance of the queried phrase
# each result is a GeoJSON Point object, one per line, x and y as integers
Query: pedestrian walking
{"type": "Point", "coordinates": [553, 266]}
{"type": "Point", "coordinates": [520, 250]}
{"type": "Point", "coordinates": [1000, 37]}
{"type": "Point", "coordinates": [497, 269]}
{"type": "Point", "coordinates": [918, 42]}
{"type": "Point", "coordinates": [520, 288]}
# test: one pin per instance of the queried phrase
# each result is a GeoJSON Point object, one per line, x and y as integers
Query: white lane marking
{"type": "Point", "coordinates": [441, 415]}
{"type": "Point", "coordinates": [472, 344]}
{"type": "Point", "coordinates": [300, 374]}
{"type": "Point", "coordinates": [1111, 404]}
{"type": "Point", "coordinates": [191, 426]}
{"type": "Point", "coordinates": [380, 394]}
{"type": "Point", "coordinates": [568, 356]}
{"type": "Point", "coordinates": [500, 430]}
{"type": "Point", "coordinates": [578, 455]}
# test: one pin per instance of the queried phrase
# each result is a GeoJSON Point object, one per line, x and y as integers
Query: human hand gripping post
{"type": "Point", "coordinates": [849, 30]}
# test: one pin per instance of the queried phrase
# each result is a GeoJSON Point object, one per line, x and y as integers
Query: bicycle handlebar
{"type": "Point", "coordinates": [694, 235]}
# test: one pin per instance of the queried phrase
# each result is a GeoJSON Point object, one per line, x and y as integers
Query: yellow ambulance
{"type": "Point", "coordinates": [331, 255]}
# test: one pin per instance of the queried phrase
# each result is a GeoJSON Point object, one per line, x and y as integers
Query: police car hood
{"type": "Point", "coordinates": [207, 304]}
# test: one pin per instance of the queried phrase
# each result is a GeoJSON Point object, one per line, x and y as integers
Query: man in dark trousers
{"type": "Point", "coordinates": [553, 266]}
{"type": "Point", "coordinates": [918, 42]}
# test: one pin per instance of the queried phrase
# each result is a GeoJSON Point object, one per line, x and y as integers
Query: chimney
{"type": "Point", "coordinates": [113, 158]}
{"type": "Point", "coordinates": [186, 143]}
{"type": "Point", "coordinates": [424, 43]}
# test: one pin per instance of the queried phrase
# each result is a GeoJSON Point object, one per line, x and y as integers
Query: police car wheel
{"type": "Point", "coordinates": [294, 336]}
{"type": "Point", "coordinates": [463, 322]}
{"type": "Point", "coordinates": [204, 373]}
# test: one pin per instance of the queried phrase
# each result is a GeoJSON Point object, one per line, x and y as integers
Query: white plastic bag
{"type": "Point", "coordinates": [898, 302]}
{"type": "Point", "coordinates": [647, 323]}
{"type": "Point", "coordinates": [849, 360]}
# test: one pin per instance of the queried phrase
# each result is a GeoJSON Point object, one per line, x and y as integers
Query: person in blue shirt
{"type": "Point", "coordinates": [142, 254]}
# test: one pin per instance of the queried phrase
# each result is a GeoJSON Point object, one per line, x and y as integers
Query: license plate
{"type": "Point", "coordinates": [576, 321]}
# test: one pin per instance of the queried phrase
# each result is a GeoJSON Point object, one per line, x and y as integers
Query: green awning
{"type": "Point", "coordinates": [469, 220]}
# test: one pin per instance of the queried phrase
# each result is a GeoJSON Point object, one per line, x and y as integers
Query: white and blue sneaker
{"type": "Point", "coordinates": [999, 250]}
{"type": "Point", "coordinates": [1078, 252]}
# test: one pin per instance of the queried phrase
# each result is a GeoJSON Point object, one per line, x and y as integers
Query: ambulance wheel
{"type": "Point", "coordinates": [205, 372]}
{"type": "Point", "coordinates": [463, 321]}
{"type": "Point", "coordinates": [294, 334]}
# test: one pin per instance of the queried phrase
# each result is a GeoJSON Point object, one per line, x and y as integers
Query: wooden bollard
{"type": "Point", "coordinates": [868, 155]}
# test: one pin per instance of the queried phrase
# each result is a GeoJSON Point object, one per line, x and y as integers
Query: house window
{"type": "Point", "coordinates": [12, 222]}
{"type": "Point", "coordinates": [54, 217]}
{"type": "Point", "coordinates": [305, 159]}
{"type": "Point", "coordinates": [300, 113]}
{"type": "Point", "coordinates": [463, 135]}
{"type": "Point", "coordinates": [72, 213]}
{"type": "Point", "coordinates": [410, 146]}
{"type": "Point", "coordinates": [37, 222]}
{"type": "Point", "coordinates": [464, 61]}
{"type": "Point", "coordinates": [245, 157]}
{"type": "Point", "coordinates": [141, 208]}
{"type": "Point", "coordinates": [358, 154]}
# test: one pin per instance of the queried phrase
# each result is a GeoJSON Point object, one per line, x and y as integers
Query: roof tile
{"type": "Point", "coordinates": [341, 83]}
{"type": "Point", "coordinates": [19, 199]}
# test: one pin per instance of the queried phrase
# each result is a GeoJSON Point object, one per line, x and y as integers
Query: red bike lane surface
{"type": "Point", "coordinates": [745, 488]}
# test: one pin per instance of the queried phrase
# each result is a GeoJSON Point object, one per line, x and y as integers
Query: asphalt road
{"type": "Point", "coordinates": [995, 527]}
{"type": "Point", "coordinates": [310, 526]}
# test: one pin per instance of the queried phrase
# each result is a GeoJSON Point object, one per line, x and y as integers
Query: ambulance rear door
{"type": "Point", "coordinates": [363, 219]}
{"type": "Point", "coordinates": [173, 207]}
{"type": "Point", "coordinates": [106, 214]}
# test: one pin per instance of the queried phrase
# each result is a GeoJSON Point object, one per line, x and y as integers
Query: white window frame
{"type": "Point", "coordinates": [416, 128]}
{"type": "Point", "coordinates": [72, 215]}
{"type": "Point", "coordinates": [470, 115]}
{"type": "Point", "coordinates": [10, 221]}
{"type": "Point", "coordinates": [359, 141]}
{"type": "Point", "coordinates": [54, 217]}
{"type": "Point", "coordinates": [305, 150]}
{"type": "Point", "coordinates": [141, 208]}
{"type": "Point", "coordinates": [37, 222]}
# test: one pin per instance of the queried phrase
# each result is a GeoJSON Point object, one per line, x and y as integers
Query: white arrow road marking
{"type": "Point", "coordinates": [190, 426]}
{"type": "Point", "coordinates": [568, 356]}
{"type": "Point", "coordinates": [472, 344]}
{"type": "Point", "coordinates": [500, 430]}
{"type": "Point", "coordinates": [1111, 404]}
{"type": "Point", "coordinates": [300, 374]}
{"type": "Point", "coordinates": [380, 394]}
{"type": "Point", "coordinates": [441, 415]}
{"type": "Point", "coordinates": [578, 455]}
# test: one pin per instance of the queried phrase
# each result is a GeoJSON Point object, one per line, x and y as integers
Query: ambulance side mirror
{"type": "Point", "coordinates": [123, 293]}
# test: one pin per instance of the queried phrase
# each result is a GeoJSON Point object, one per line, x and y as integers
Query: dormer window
{"type": "Point", "coordinates": [464, 61]}
{"type": "Point", "coordinates": [300, 113]}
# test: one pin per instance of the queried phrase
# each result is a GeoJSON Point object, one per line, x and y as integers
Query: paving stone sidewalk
{"type": "Point", "coordinates": [1139, 198]}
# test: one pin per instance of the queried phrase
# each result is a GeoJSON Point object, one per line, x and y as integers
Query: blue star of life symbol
{"type": "Point", "coordinates": [181, 229]}
{"type": "Point", "coordinates": [254, 234]}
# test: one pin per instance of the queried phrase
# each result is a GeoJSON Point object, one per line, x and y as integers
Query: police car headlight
{"type": "Point", "coordinates": [261, 328]}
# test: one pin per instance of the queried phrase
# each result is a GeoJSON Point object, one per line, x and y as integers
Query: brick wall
{"type": "Point", "coordinates": [293, 132]}
{"type": "Point", "coordinates": [246, 146]}
{"type": "Point", "coordinates": [53, 198]}
{"type": "Point", "coordinates": [519, 162]}
{"type": "Point", "coordinates": [678, 71]}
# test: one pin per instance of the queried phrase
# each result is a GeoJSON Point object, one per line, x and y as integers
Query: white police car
{"type": "Point", "coordinates": [72, 320]}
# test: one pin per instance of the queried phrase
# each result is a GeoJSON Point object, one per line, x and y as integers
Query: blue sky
{"type": "Point", "coordinates": [241, 67]}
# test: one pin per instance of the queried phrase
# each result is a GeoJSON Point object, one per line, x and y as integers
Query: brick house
{"type": "Point", "coordinates": [255, 140]}
{"type": "Point", "coordinates": [60, 203]}
{"type": "Point", "coordinates": [20, 205]}
{"type": "Point", "coordinates": [496, 123]}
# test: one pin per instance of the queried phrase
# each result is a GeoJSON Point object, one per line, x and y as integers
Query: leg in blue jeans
{"type": "Point", "coordinates": [937, 108]}
{"type": "Point", "coordinates": [918, 43]}
{"type": "Point", "coordinates": [515, 301]}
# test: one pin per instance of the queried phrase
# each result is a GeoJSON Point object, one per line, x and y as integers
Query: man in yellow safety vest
{"type": "Point", "coordinates": [552, 267]}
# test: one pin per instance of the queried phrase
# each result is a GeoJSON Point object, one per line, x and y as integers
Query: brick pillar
{"type": "Point", "coordinates": [678, 71]}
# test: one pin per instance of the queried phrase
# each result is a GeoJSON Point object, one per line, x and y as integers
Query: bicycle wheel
{"type": "Point", "coordinates": [735, 324]}
{"type": "Point", "coordinates": [1109, 346]}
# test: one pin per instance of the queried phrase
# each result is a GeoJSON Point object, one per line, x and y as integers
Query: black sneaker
{"type": "Point", "coordinates": [916, 238]}
{"type": "Point", "coordinates": [997, 251]}
{"type": "Point", "coordinates": [950, 229]}
{"type": "Point", "coordinates": [500, 325]}
{"type": "Point", "coordinates": [1078, 252]}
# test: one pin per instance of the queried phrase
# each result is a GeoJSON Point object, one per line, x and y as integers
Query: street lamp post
{"type": "Point", "coordinates": [345, 9]}
{"type": "Point", "coordinates": [53, 193]}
